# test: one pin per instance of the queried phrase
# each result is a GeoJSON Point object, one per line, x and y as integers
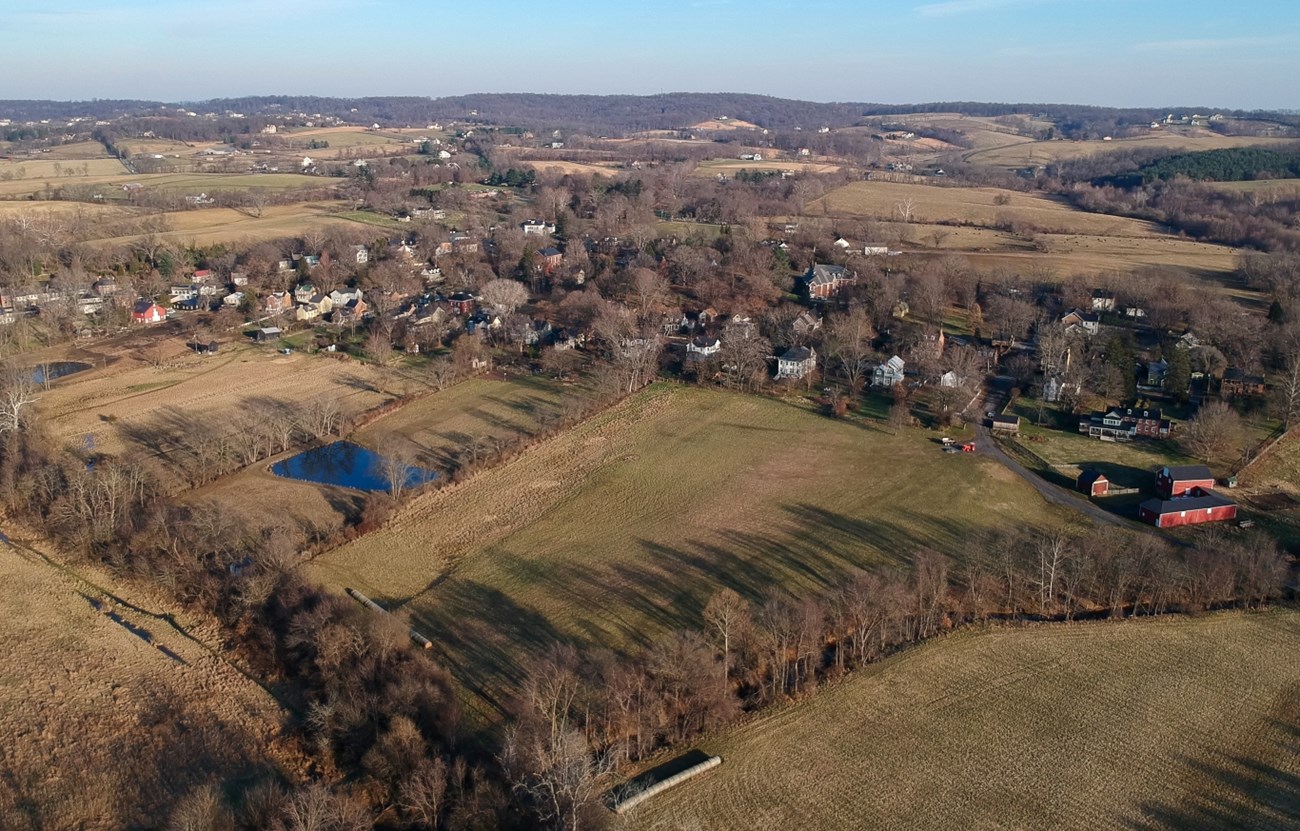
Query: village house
{"type": "Point", "coordinates": [1079, 321]}
{"type": "Point", "coordinates": [360, 254]}
{"type": "Point", "coordinates": [796, 363]}
{"type": "Point", "coordinates": [825, 281]}
{"type": "Point", "coordinates": [350, 313]}
{"type": "Point", "coordinates": [704, 345]}
{"type": "Point", "coordinates": [461, 303]}
{"type": "Point", "coordinates": [233, 299]}
{"type": "Point", "coordinates": [277, 302]}
{"type": "Point", "coordinates": [1103, 301]}
{"type": "Point", "coordinates": [1237, 384]}
{"type": "Point", "coordinates": [537, 228]}
{"type": "Point", "coordinates": [889, 373]}
{"type": "Point", "coordinates": [1126, 424]}
{"type": "Point", "coordinates": [303, 293]}
{"type": "Point", "coordinates": [548, 259]}
{"type": "Point", "coordinates": [873, 249]}
{"type": "Point", "coordinates": [147, 312]}
{"type": "Point", "coordinates": [806, 323]}
{"type": "Point", "coordinates": [1156, 372]}
{"type": "Point", "coordinates": [104, 287]}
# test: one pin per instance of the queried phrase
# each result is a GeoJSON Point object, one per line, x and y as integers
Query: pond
{"type": "Point", "coordinates": [347, 465]}
{"type": "Point", "coordinates": [46, 373]}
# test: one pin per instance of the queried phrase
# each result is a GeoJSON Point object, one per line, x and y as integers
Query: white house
{"type": "Point", "coordinates": [889, 373]}
{"type": "Point", "coordinates": [796, 363]}
{"type": "Point", "coordinates": [704, 346]}
{"type": "Point", "coordinates": [361, 255]}
{"type": "Point", "coordinates": [875, 250]}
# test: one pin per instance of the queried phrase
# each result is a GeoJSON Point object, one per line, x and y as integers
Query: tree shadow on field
{"type": "Point", "coordinates": [482, 636]}
{"type": "Point", "coordinates": [487, 633]}
{"type": "Point", "coordinates": [1235, 791]}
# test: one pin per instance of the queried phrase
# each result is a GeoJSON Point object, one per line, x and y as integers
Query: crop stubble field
{"type": "Point", "coordinates": [99, 723]}
{"type": "Point", "coordinates": [1172, 723]}
{"type": "Point", "coordinates": [621, 528]}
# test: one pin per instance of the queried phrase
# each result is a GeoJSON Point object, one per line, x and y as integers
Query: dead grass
{"type": "Point", "coordinates": [58, 169]}
{"type": "Point", "coordinates": [113, 405]}
{"type": "Point", "coordinates": [1026, 154]}
{"type": "Point", "coordinates": [713, 167]}
{"type": "Point", "coordinates": [1159, 724]}
{"type": "Point", "coordinates": [974, 206]}
{"type": "Point", "coordinates": [107, 722]}
{"type": "Point", "coordinates": [573, 168]}
{"type": "Point", "coordinates": [620, 529]}
{"type": "Point", "coordinates": [227, 225]}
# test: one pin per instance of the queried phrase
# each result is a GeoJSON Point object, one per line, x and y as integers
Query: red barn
{"type": "Point", "coordinates": [146, 311]}
{"type": "Point", "coordinates": [1192, 508]}
{"type": "Point", "coordinates": [1093, 482]}
{"type": "Point", "coordinates": [1175, 481]}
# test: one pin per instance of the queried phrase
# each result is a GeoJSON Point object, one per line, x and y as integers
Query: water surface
{"type": "Point", "coordinates": [347, 465]}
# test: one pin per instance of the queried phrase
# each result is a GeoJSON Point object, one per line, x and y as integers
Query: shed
{"type": "Point", "coordinates": [267, 334]}
{"type": "Point", "coordinates": [1005, 424]}
{"type": "Point", "coordinates": [1093, 482]}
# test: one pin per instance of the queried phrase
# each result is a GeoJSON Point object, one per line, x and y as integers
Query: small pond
{"type": "Point", "coordinates": [45, 373]}
{"type": "Point", "coordinates": [347, 465]}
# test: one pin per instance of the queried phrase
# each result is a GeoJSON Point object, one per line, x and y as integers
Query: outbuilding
{"type": "Point", "coordinates": [1177, 480]}
{"type": "Point", "coordinates": [1192, 508]}
{"type": "Point", "coordinates": [1093, 482]}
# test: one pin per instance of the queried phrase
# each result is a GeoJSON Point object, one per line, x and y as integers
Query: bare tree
{"type": "Point", "coordinates": [17, 393]}
{"type": "Point", "coordinates": [727, 615]}
{"type": "Point", "coordinates": [423, 792]}
{"type": "Point", "coordinates": [398, 467]}
{"type": "Point", "coordinates": [1214, 433]}
{"type": "Point", "coordinates": [848, 341]}
{"type": "Point", "coordinates": [504, 296]}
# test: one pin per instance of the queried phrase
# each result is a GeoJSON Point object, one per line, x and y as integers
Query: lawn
{"type": "Point", "coordinates": [1172, 723]}
{"type": "Point", "coordinates": [620, 529]}
{"type": "Point", "coordinates": [208, 226]}
{"type": "Point", "coordinates": [1046, 152]}
{"type": "Point", "coordinates": [1064, 452]}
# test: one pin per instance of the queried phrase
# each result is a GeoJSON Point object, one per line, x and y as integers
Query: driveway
{"type": "Point", "coordinates": [985, 445]}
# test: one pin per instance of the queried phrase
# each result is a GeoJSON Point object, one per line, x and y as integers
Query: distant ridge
{"type": "Point", "coordinates": [613, 114]}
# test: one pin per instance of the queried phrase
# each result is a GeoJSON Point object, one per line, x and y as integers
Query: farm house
{"type": "Point", "coordinates": [1192, 508]}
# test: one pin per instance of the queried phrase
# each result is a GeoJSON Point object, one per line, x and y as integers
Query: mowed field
{"type": "Point", "coordinates": [106, 723]}
{"type": "Point", "coordinates": [188, 182]}
{"type": "Point", "coordinates": [975, 206]}
{"type": "Point", "coordinates": [620, 529]}
{"type": "Point", "coordinates": [1177, 723]}
{"type": "Point", "coordinates": [208, 226]}
{"type": "Point", "coordinates": [141, 389]}
{"type": "Point", "coordinates": [65, 168]}
{"type": "Point", "coordinates": [1026, 154]}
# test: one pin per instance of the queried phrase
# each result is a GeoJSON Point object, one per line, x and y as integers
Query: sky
{"type": "Point", "coordinates": [1244, 54]}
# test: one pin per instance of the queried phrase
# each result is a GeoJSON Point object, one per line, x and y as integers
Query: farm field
{"type": "Point", "coordinates": [974, 206]}
{"type": "Point", "coordinates": [713, 167]}
{"type": "Point", "coordinates": [621, 528]}
{"type": "Point", "coordinates": [60, 168]}
{"type": "Point", "coordinates": [1282, 187]}
{"type": "Point", "coordinates": [102, 729]}
{"type": "Point", "coordinates": [190, 182]}
{"type": "Point", "coordinates": [207, 226]}
{"type": "Point", "coordinates": [985, 132]}
{"type": "Point", "coordinates": [1026, 154]}
{"type": "Point", "coordinates": [572, 168]}
{"type": "Point", "coordinates": [483, 409]}
{"type": "Point", "coordinates": [1170, 723]}
{"type": "Point", "coordinates": [143, 390]}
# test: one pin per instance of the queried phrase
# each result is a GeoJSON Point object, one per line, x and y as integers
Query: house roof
{"type": "Point", "coordinates": [144, 306]}
{"type": "Point", "coordinates": [1199, 500]}
{"type": "Point", "coordinates": [798, 354]}
{"type": "Point", "coordinates": [826, 273]}
{"type": "Point", "coordinates": [895, 363]}
{"type": "Point", "coordinates": [1005, 419]}
{"type": "Point", "coordinates": [1182, 473]}
{"type": "Point", "coordinates": [1233, 373]}
{"type": "Point", "coordinates": [549, 251]}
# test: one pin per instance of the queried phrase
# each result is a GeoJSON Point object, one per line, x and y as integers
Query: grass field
{"type": "Point", "coordinates": [975, 206]}
{"type": "Point", "coordinates": [57, 169]}
{"type": "Point", "coordinates": [479, 409]}
{"type": "Point", "coordinates": [214, 225]}
{"type": "Point", "coordinates": [621, 528]}
{"type": "Point", "coordinates": [1025, 154]}
{"type": "Point", "coordinates": [728, 167]}
{"type": "Point", "coordinates": [188, 182]}
{"type": "Point", "coordinates": [107, 722]}
{"type": "Point", "coordinates": [127, 397]}
{"type": "Point", "coordinates": [1170, 723]}
{"type": "Point", "coordinates": [1286, 188]}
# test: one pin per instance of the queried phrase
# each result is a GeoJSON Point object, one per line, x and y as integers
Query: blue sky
{"type": "Point", "coordinates": [1114, 52]}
